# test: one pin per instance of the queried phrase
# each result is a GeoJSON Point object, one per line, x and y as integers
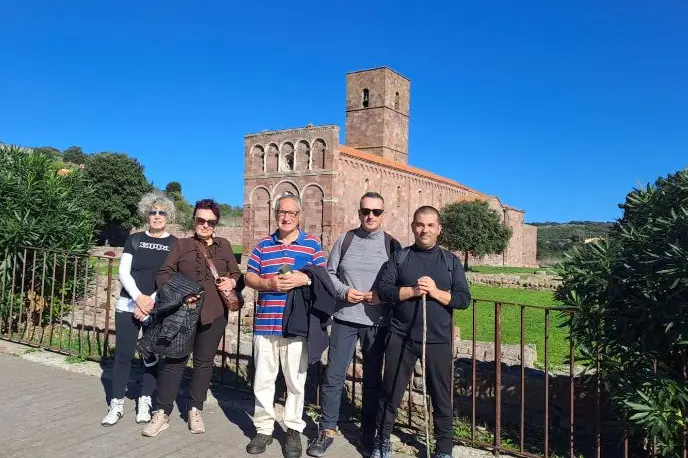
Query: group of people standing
{"type": "Point", "coordinates": [369, 290]}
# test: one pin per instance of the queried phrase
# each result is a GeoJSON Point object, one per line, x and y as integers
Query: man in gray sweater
{"type": "Point", "coordinates": [354, 263]}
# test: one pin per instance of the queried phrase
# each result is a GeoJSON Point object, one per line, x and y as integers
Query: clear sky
{"type": "Point", "coordinates": [559, 108]}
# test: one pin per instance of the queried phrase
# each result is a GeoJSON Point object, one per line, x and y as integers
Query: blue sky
{"type": "Point", "coordinates": [559, 108]}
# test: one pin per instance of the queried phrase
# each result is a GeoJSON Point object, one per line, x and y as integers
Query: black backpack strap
{"type": "Point", "coordinates": [346, 243]}
{"type": "Point", "coordinates": [392, 245]}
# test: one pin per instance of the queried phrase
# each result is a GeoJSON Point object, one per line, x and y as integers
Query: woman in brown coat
{"type": "Point", "coordinates": [187, 257]}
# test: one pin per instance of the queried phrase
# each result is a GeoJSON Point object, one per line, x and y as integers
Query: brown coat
{"type": "Point", "coordinates": [186, 258]}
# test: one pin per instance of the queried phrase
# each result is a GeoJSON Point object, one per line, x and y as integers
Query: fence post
{"type": "Point", "coordinates": [498, 375]}
{"type": "Point", "coordinates": [108, 299]}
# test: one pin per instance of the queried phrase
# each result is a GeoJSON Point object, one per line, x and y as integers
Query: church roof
{"type": "Point", "coordinates": [353, 152]}
{"type": "Point", "coordinates": [374, 158]}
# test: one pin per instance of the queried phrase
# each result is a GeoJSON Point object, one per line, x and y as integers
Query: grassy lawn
{"type": "Point", "coordinates": [511, 320]}
{"type": "Point", "coordinates": [511, 270]}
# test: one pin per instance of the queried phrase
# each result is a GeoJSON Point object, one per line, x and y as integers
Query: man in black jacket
{"type": "Point", "coordinates": [423, 269]}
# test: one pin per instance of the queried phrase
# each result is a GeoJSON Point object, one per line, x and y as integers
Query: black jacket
{"type": "Point", "coordinates": [308, 311]}
{"type": "Point", "coordinates": [173, 328]}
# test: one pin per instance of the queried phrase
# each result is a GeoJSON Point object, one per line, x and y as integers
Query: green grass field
{"type": "Point", "coordinates": [511, 320]}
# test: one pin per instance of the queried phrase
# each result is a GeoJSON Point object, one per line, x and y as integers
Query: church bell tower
{"type": "Point", "coordinates": [377, 113]}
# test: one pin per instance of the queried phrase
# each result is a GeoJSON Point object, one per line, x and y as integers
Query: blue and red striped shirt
{"type": "Point", "coordinates": [266, 259]}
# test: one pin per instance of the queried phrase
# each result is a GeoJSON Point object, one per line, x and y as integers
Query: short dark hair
{"type": "Point", "coordinates": [207, 204]}
{"type": "Point", "coordinates": [424, 210]}
{"type": "Point", "coordinates": [371, 195]}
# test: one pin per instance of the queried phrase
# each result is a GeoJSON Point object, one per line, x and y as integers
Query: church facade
{"type": "Point", "coordinates": [330, 178]}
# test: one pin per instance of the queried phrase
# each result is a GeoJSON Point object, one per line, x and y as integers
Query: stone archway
{"type": "Point", "coordinates": [318, 154]}
{"type": "Point", "coordinates": [312, 219]}
{"type": "Point", "coordinates": [303, 156]}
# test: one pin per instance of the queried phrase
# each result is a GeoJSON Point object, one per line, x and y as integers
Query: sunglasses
{"type": "Point", "coordinates": [157, 212]}
{"type": "Point", "coordinates": [368, 211]}
{"type": "Point", "coordinates": [203, 221]}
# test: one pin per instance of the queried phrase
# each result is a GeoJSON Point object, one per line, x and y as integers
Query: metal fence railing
{"type": "Point", "coordinates": [502, 400]}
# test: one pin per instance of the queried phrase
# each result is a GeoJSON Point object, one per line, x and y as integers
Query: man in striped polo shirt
{"type": "Point", "coordinates": [287, 246]}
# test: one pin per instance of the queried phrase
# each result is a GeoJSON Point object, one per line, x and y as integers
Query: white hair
{"type": "Point", "coordinates": [158, 200]}
{"type": "Point", "coordinates": [287, 195]}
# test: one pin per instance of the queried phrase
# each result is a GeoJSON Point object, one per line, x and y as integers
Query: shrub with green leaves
{"type": "Point", "coordinates": [43, 207]}
{"type": "Point", "coordinates": [631, 292]}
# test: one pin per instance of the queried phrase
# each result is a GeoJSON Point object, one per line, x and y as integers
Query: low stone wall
{"type": "Point", "coordinates": [540, 282]}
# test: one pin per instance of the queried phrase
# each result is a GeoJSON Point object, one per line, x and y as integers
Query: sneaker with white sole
{"type": "Point", "coordinates": [115, 412]}
{"type": "Point", "coordinates": [159, 423]}
{"type": "Point", "coordinates": [196, 425]}
{"type": "Point", "coordinates": [143, 411]}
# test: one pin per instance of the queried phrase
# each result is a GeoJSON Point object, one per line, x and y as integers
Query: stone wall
{"type": "Point", "coordinates": [404, 192]}
{"type": "Point", "coordinates": [231, 233]}
{"type": "Point", "coordinates": [541, 282]}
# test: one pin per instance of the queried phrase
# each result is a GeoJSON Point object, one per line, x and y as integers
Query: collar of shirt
{"type": "Point", "coordinates": [362, 233]}
{"type": "Point", "coordinates": [214, 239]}
{"type": "Point", "coordinates": [298, 241]}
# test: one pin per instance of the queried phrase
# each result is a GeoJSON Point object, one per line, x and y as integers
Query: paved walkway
{"type": "Point", "coordinates": [51, 412]}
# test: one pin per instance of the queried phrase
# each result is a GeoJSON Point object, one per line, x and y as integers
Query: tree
{"type": "Point", "coordinates": [631, 296]}
{"type": "Point", "coordinates": [75, 155]}
{"type": "Point", "coordinates": [49, 151]}
{"type": "Point", "coordinates": [473, 228]}
{"type": "Point", "coordinates": [119, 184]}
{"type": "Point", "coordinates": [173, 187]}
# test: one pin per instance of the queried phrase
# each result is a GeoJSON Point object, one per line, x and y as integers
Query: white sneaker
{"type": "Point", "coordinates": [143, 411]}
{"type": "Point", "coordinates": [114, 413]}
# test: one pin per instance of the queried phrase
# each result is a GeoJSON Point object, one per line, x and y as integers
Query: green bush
{"type": "Point", "coordinates": [42, 207]}
{"type": "Point", "coordinates": [632, 295]}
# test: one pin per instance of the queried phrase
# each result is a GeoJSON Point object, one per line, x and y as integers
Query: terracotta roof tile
{"type": "Point", "coordinates": [353, 152]}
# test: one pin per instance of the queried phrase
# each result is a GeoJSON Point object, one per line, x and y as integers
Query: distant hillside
{"type": "Point", "coordinates": [554, 239]}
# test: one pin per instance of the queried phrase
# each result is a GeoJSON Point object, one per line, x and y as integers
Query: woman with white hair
{"type": "Point", "coordinates": [144, 253]}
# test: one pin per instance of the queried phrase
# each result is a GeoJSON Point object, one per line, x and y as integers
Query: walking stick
{"type": "Point", "coordinates": [425, 391]}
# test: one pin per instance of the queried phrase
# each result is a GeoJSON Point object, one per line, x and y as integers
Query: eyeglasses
{"type": "Point", "coordinates": [203, 221]}
{"type": "Point", "coordinates": [157, 212]}
{"type": "Point", "coordinates": [288, 213]}
{"type": "Point", "coordinates": [368, 211]}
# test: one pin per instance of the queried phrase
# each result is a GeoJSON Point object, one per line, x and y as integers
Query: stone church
{"type": "Point", "coordinates": [330, 178]}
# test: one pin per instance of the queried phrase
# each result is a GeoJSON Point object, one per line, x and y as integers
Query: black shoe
{"type": "Point", "coordinates": [292, 446]}
{"type": "Point", "coordinates": [258, 444]}
{"type": "Point", "coordinates": [322, 443]}
{"type": "Point", "coordinates": [366, 444]}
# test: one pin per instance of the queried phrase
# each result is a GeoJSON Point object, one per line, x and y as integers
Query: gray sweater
{"type": "Point", "coordinates": [358, 270]}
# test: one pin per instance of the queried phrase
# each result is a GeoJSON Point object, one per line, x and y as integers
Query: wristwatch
{"type": "Point", "coordinates": [309, 282]}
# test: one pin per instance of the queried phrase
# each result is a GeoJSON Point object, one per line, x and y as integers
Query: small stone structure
{"type": "Point", "coordinates": [538, 282]}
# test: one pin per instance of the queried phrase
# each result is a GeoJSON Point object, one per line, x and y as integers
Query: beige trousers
{"type": "Point", "coordinates": [291, 354]}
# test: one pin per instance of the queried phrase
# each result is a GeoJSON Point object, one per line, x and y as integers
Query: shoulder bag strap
{"type": "Point", "coordinates": [211, 265]}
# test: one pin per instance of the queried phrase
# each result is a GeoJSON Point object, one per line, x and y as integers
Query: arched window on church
{"type": "Point", "coordinates": [366, 98]}
{"type": "Point", "coordinates": [398, 196]}
{"type": "Point", "coordinates": [396, 101]}
{"type": "Point", "coordinates": [366, 185]}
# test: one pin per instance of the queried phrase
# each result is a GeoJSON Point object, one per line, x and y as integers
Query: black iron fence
{"type": "Point", "coordinates": [65, 302]}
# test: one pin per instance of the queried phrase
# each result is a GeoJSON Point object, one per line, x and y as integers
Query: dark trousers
{"type": "Point", "coordinates": [127, 335]}
{"type": "Point", "coordinates": [172, 370]}
{"type": "Point", "coordinates": [342, 346]}
{"type": "Point", "coordinates": [400, 360]}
